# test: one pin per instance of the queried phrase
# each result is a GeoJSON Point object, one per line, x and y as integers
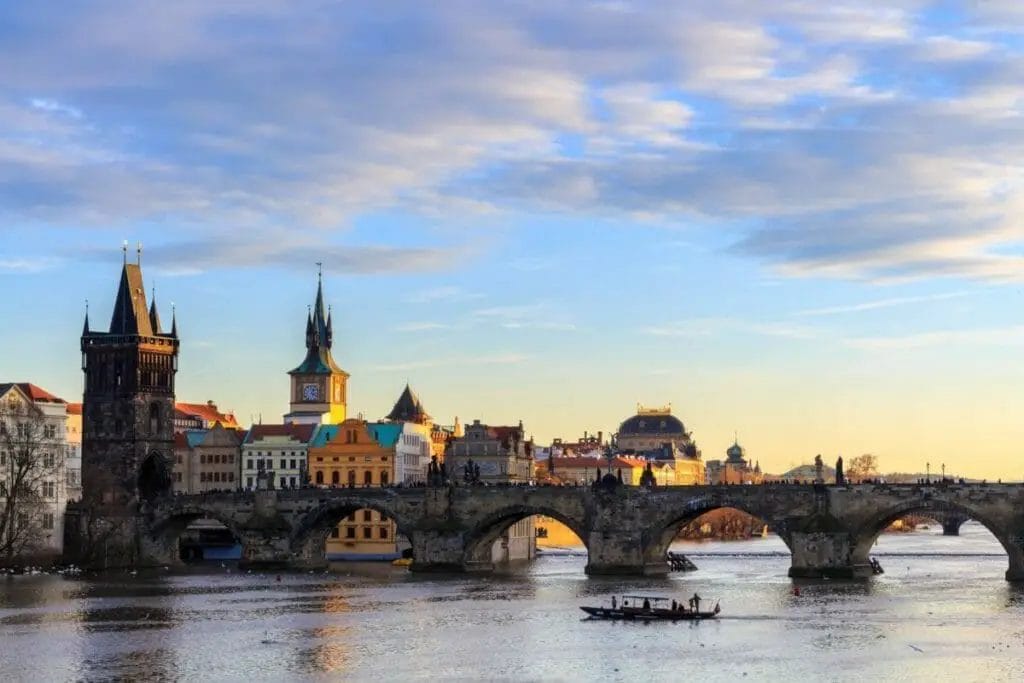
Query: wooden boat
{"type": "Point", "coordinates": [649, 608]}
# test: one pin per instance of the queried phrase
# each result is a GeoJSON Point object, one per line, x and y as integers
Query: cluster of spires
{"type": "Point", "coordinates": [319, 329]}
{"type": "Point", "coordinates": [130, 316]}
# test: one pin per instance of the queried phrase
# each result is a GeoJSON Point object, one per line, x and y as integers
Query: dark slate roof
{"type": "Point", "coordinates": [408, 408]}
{"type": "Point", "coordinates": [652, 424]}
{"type": "Point", "coordinates": [130, 315]}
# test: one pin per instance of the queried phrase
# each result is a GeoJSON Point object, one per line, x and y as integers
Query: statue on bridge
{"type": "Point", "coordinates": [840, 477]}
{"type": "Point", "coordinates": [819, 468]}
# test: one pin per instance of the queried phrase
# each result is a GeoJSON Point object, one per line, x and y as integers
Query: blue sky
{"type": "Point", "coordinates": [795, 220]}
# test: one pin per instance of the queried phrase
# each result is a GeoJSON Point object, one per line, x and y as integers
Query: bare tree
{"type": "Point", "coordinates": [862, 467]}
{"type": "Point", "coordinates": [31, 460]}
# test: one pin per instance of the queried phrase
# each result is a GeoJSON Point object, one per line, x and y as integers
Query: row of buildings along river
{"type": "Point", "coordinates": [319, 443]}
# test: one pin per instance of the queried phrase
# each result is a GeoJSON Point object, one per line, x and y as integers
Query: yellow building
{"type": "Point", "coordinates": [350, 454]}
{"type": "Point", "coordinates": [660, 437]}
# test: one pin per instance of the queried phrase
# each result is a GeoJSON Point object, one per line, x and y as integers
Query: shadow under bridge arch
{"type": "Point", "coordinates": [665, 529]}
{"type": "Point", "coordinates": [167, 533]}
{"type": "Point", "coordinates": [498, 528]}
{"type": "Point", "coordinates": [364, 527]}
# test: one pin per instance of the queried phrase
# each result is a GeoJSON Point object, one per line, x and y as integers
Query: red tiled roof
{"type": "Point", "coordinates": [35, 393]}
{"type": "Point", "coordinates": [298, 432]}
{"type": "Point", "coordinates": [74, 409]}
{"type": "Point", "coordinates": [207, 412]}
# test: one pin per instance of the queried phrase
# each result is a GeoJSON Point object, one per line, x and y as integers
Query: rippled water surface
{"type": "Point", "coordinates": [942, 611]}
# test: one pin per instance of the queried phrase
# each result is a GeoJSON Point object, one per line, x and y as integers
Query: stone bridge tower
{"type": "Point", "coordinates": [128, 403]}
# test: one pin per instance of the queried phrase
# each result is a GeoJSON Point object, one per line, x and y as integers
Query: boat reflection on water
{"type": "Point", "coordinates": [652, 608]}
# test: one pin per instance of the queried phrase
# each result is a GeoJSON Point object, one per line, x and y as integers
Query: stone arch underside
{"type": "Point", "coordinates": [1010, 537]}
{"type": "Point", "coordinates": [478, 541]}
{"type": "Point", "coordinates": [309, 537]}
{"type": "Point", "coordinates": [662, 532]}
{"type": "Point", "coordinates": [165, 531]}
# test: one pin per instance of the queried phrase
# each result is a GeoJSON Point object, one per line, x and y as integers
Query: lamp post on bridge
{"type": "Point", "coordinates": [943, 471]}
{"type": "Point", "coordinates": [928, 473]}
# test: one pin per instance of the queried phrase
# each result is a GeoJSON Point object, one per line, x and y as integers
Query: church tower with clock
{"type": "Point", "coordinates": [318, 385]}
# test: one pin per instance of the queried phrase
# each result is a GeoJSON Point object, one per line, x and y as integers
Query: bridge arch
{"type": "Point", "coordinates": [309, 536]}
{"type": "Point", "coordinates": [166, 529]}
{"type": "Point", "coordinates": [478, 541]}
{"type": "Point", "coordinates": [660, 534]}
{"type": "Point", "coordinates": [1011, 539]}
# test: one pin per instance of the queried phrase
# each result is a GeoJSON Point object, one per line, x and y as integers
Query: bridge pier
{"type": "Point", "coordinates": [442, 551]}
{"type": "Point", "coordinates": [616, 552]}
{"type": "Point", "coordinates": [826, 554]}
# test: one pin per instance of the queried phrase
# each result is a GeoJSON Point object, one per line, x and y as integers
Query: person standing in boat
{"type": "Point", "coordinates": [647, 605]}
{"type": "Point", "coordinates": [613, 602]}
{"type": "Point", "coordinates": [695, 601]}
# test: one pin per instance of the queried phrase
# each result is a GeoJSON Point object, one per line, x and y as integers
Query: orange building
{"type": "Point", "coordinates": [349, 454]}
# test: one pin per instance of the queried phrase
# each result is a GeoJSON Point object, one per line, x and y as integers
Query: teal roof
{"type": "Point", "coordinates": [385, 433]}
{"type": "Point", "coordinates": [195, 437]}
{"type": "Point", "coordinates": [323, 435]}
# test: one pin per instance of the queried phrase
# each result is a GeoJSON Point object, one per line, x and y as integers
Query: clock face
{"type": "Point", "coordinates": [310, 392]}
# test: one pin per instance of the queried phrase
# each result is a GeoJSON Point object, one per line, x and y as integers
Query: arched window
{"type": "Point", "coordinates": [319, 477]}
{"type": "Point", "coordinates": [383, 478]}
{"type": "Point", "coordinates": [335, 478]}
{"type": "Point", "coordinates": [367, 477]}
{"type": "Point", "coordinates": [351, 477]}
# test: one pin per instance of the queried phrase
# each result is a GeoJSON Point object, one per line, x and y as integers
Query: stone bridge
{"type": "Point", "coordinates": [627, 530]}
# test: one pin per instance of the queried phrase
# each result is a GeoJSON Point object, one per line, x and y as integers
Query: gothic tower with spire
{"type": "Point", "coordinates": [318, 385]}
{"type": "Point", "coordinates": [128, 401]}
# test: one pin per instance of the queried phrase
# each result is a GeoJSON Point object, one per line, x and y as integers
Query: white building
{"type": "Point", "coordinates": [412, 444]}
{"type": "Point", "coordinates": [36, 421]}
{"type": "Point", "coordinates": [280, 451]}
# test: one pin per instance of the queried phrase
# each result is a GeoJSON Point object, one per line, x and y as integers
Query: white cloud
{"type": "Point", "coordinates": [879, 303]}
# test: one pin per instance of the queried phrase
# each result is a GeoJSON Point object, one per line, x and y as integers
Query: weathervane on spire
{"type": "Point", "coordinates": [124, 251]}
{"type": "Point", "coordinates": [320, 269]}
{"type": "Point", "coordinates": [138, 253]}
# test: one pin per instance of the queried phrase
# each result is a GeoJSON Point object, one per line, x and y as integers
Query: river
{"type": "Point", "coordinates": [942, 611]}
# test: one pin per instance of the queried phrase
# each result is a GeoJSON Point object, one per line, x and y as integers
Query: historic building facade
{"type": "Point", "coordinates": [128, 403]}
{"type": "Point", "coordinates": [33, 457]}
{"type": "Point", "coordinates": [660, 437]}
{"type": "Point", "coordinates": [73, 464]}
{"type": "Point", "coordinates": [275, 456]}
{"type": "Point", "coordinates": [207, 460]}
{"type": "Point", "coordinates": [356, 453]}
{"type": "Point", "coordinates": [502, 454]}
{"type": "Point", "coordinates": [735, 469]}
{"type": "Point", "coordinates": [318, 386]}
{"type": "Point", "coordinates": [414, 439]}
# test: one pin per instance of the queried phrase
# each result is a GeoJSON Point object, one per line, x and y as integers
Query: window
{"type": "Point", "coordinates": [335, 533]}
{"type": "Point", "coordinates": [248, 464]}
{"type": "Point", "coordinates": [283, 464]}
{"type": "Point", "coordinates": [291, 464]}
{"type": "Point", "coordinates": [49, 432]}
{"type": "Point", "coordinates": [335, 478]}
{"type": "Point", "coordinates": [48, 521]}
{"type": "Point", "coordinates": [367, 532]}
{"type": "Point", "coordinates": [49, 489]}
{"type": "Point", "coordinates": [231, 458]}
{"type": "Point", "coordinates": [202, 476]}
{"type": "Point", "coordinates": [367, 478]}
{"type": "Point", "coordinates": [319, 477]}
{"type": "Point", "coordinates": [283, 480]}
{"type": "Point", "coordinates": [48, 460]}
{"type": "Point", "coordinates": [350, 532]}
{"type": "Point", "coordinates": [383, 533]}
{"type": "Point", "coordinates": [367, 516]}
{"type": "Point", "coordinates": [231, 476]}
{"type": "Point", "coordinates": [383, 478]}
{"type": "Point", "coordinates": [291, 482]}
{"type": "Point", "coordinates": [351, 477]}
{"type": "Point", "coordinates": [351, 517]}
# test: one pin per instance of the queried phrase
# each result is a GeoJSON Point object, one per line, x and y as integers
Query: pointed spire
{"type": "Point", "coordinates": [309, 328]}
{"type": "Point", "coordinates": [130, 316]}
{"type": "Point", "coordinates": [85, 328]}
{"type": "Point", "coordinates": [174, 321]}
{"type": "Point", "coordinates": [154, 317]}
{"type": "Point", "coordinates": [330, 329]}
{"type": "Point", "coordinates": [319, 315]}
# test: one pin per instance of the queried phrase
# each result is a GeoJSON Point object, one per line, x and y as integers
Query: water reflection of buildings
{"type": "Point", "coordinates": [331, 651]}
